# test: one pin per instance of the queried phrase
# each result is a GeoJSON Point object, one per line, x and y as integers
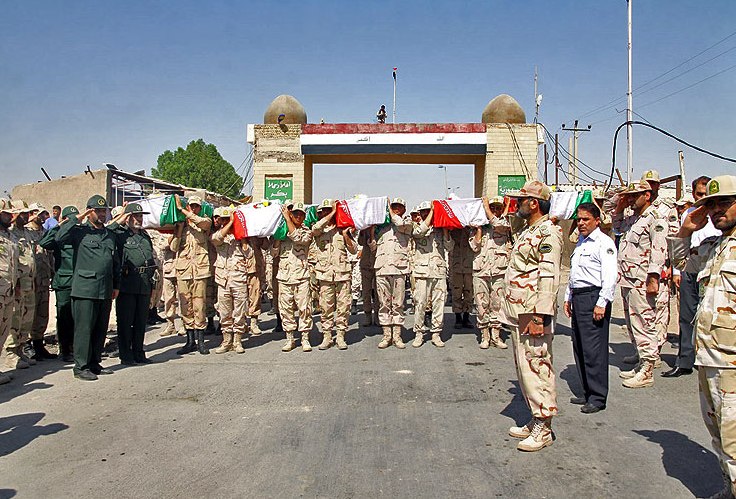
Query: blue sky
{"type": "Point", "coordinates": [120, 82]}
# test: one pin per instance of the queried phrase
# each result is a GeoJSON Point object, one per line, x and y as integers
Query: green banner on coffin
{"type": "Point", "coordinates": [279, 188]}
{"type": "Point", "coordinates": [510, 183]}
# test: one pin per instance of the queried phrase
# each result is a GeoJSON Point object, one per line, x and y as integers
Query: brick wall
{"type": "Point", "coordinates": [277, 152]}
{"type": "Point", "coordinates": [503, 157]}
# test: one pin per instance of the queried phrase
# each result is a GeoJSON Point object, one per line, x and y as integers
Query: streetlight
{"type": "Point", "coordinates": [443, 167]}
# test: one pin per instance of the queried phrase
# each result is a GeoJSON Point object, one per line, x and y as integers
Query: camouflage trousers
{"type": "Point", "coordinates": [24, 309]}
{"type": "Point", "coordinates": [158, 290]}
{"type": "Point", "coordinates": [462, 292]}
{"type": "Point", "coordinates": [533, 358]}
{"type": "Point", "coordinates": [211, 298]}
{"type": "Point", "coordinates": [334, 304]}
{"type": "Point", "coordinates": [41, 314]}
{"type": "Point", "coordinates": [170, 298]}
{"type": "Point", "coordinates": [6, 315]}
{"type": "Point", "coordinates": [313, 287]}
{"type": "Point", "coordinates": [355, 281]}
{"type": "Point", "coordinates": [718, 406]}
{"type": "Point", "coordinates": [274, 285]}
{"type": "Point", "coordinates": [662, 314]}
{"type": "Point", "coordinates": [429, 293]}
{"type": "Point", "coordinates": [192, 297]}
{"type": "Point", "coordinates": [295, 299]}
{"type": "Point", "coordinates": [390, 290]}
{"type": "Point", "coordinates": [368, 291]}
{"type": "Point", "coordinates": [268, 280]}
{"type": "Point", "coordinates": [488, 299]}
{"type": "Point", "coordinates": [232, 304]}
{"type": "Point", "coordinates": [254, 295]}
{"type": "Point", "coordinates": [640, 314]}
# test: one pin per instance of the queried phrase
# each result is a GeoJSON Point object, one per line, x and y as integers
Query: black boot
{"type": "Point", "coordinates": [154, 318]}
{"type": "Point", "coordinates": [210, 326]}
{"type": "Point", "coordinates": [189, 346]}
{"type": "Point", "coordinates": [466, 321]}
{"type": "Point", "coordinates": [200, 340]}
{"type": "Point", "coordinates": [40, 352]}
{"type": "Point", "coordinates": [354, 308]}
{"type": "Point", "coordinates": [279, 328]}
{"type": "Point", "coordinates": [458, 320]}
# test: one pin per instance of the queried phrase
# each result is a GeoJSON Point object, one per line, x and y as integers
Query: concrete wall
{"type": "Point", "coordinates": [277, 153]}
{"type": "Point", "coordinates": [75, 190]}
{"type": "Point", "coordinates": [503, 157]}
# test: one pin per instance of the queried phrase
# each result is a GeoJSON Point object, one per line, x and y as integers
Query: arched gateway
{"type": "Point", "coordinates": [502, 147]}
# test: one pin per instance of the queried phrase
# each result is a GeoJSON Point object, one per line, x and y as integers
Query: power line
{"type": "Point", "coordinates": [689, 86]}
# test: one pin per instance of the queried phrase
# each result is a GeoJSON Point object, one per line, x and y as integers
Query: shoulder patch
{"type": "Point", "coordinates": [545, 248]}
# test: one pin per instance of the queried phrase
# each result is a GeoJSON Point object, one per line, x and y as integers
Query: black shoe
{"type": "Point", "coordinates": [203, 350]}
{"type": "Point", "coordinates": [676, 372]}
{"type": "Point", "coordinates": [577, 400]}
{"type": "Point", "coordinates": [127, 363]}
{"type": "Point", "coordinates": [40, 352]}
{"type": "Point", "coordinates": [591, 409]}
{"type": "Point", "coordinates": [85, 375]}
{"type": "Point", "coordinates": [189, 346]}
{"type": "Point", "coordinates": [102, 371]}
{"type": "Point", "coordinates": [458, 321]}
{"type": "Point", "coordinates": [143, 360]}
{"type": "Point", "coordinates": [154, 318]}
{"type": "Point", "coordinates": [67, 358]}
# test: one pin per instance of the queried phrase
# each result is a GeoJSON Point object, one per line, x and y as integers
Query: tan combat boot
{"type": "Point", "coordinates": [227, 343]}
{"type": "Point", "coordinates": [14, 361]}
{"type": "Point", "coordinates": [437, 341]}
{"type": "Point", "coordinates": [169, 330]}
{"type": "Point", "coordinates": [522, 431]}
{"type": "Point", "coordinates": [496, 340]}
{"type": "Point", "coordinates": [290, 343]}
{"type": "Point", "coordinates": [238, 343]}
{"type": "Point", "coordinates": [643, 378]}
{"type": "Point", "coordinates": [539, 438]}
{"type": "Point", "coordinates": [418, 340]}
{"type": "Point", "coordinates": [485, 338]}
{"type": "Point", "coordinates": [255, 330]}
{"type": "Point", "coordinates": [398, 342]}
{"type": "Point", "coordinates": [326, 340]}
{"type": "Point", "coordinates": [386, 341]}
{"type": "Point", "coordinates": [629, 374]}
{"type": "Point", "coordinates": [341, 345]}
{"type": "Point", "coordinates": [306, 347]}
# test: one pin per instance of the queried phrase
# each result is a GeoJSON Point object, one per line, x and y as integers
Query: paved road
{"type": "Point", "coordinates": [358, 423]}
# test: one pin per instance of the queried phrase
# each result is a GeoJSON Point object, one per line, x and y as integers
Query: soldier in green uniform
{"type": "Point", "coordinates": [62, 285]}
{"type": "Point", "coordinates": [136, 284]}
{"type": "Point", "coordinates": [95, 284]}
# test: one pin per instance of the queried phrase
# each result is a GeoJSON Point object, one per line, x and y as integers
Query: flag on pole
{"type": "Point", "coordinates": [361, 212]}
{"type": "Point", "coordinates": [458, 213]}
{"type": "Point", "coordinates": [395, 73]}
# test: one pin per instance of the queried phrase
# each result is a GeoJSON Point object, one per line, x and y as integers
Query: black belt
{"type": "Point", "coordinates": [587, 289]}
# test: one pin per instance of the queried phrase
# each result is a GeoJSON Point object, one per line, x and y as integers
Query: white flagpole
{"type": "Point", "coordinates": [394, 112]}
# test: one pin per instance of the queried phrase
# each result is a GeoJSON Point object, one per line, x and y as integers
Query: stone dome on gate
{"type": "Point", "coordinates": [292, 109]}
{"type": "Point", "coordinates": [503, 109]}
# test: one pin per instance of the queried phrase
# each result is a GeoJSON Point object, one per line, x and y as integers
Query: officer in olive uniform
{"type": "Point", "coordinates": [95, 284]}
{"type": "Point", "coordinates": [62, 285]}
{"type": "Point", "coordinates": [136, 285]}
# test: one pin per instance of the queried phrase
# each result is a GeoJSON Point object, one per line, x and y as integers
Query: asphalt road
{"type": "Point", "coordinates": [364, 422]}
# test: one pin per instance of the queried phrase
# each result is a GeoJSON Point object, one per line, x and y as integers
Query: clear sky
{"type": "Point", "coordinates": [102, 81]}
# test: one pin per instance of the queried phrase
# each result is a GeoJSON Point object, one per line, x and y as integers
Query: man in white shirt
{"type": "Point", "coordinates": [588, 298]}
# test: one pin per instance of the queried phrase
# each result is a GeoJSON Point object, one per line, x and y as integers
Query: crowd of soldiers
{"type": "Point", "coordinates": [507, 271]}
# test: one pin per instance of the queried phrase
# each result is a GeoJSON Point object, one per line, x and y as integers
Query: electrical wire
{"type": "Point", "coordinates": [569, 155]}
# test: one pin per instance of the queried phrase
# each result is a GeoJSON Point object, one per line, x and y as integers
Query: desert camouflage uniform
{"type": "Point", "coordinates": [530, 287]}
{"type": "Point", "coordinates": [42, 284]}
{"type": "Point", "coordinates": [313, 284]}
{"type": "Point", "coordinates": [193, 270]}
{"type": "Point", "coordinates": [368, 275]}
{"type": "Point", "coordinates": [158, 241]}
{"type": "Point", "coordinates": [211, 297]}
{"type": "Point", "coordinates": [669, 215]}
{"type": "Point", "coordinates": [490, 260]}
{"type": "Point", "coordinates": [169, 293]}
{"type": "Point", "coordinates": [8, 279]}
{"type": "Point", "coordinates": [24, 306]}
{"type": "Point", "coordinates": [256, 270]}
{"type": "Point", "coordinates": [231, 277]}
{"type": "Point", "coordinates": [392, 267]}
{"type": "Point", "coordinates": [293, 281]}
{"type": "Point", "coordinates": [461, 271]}
{"type": "Point", "coordinates": [430, 275]}
{"type": "Point", "coordinates": [715, 339]}
{"type": "Point", "coordinates": [353, 259]}
{"type": "Point", "coordinates": [642, 251]}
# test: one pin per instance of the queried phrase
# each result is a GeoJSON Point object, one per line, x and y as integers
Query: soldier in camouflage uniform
{"type": "Point", "coordinates": [353, 259]}
{"type": "Point", "coordinates": [461, 277]}
{"type": "Point", "coordinates": [8, 273]}
{"type": "Point", "coordinates": [530, 287]}
{"type": "Point", "coordinates": [430, 275]}
{"type": "Point", "coordinates": [491, 246]}
{"type": "Point", "coordinates": [416, 219]}
{"type": "Point", "coordinates": [255, 267]}
{"type": "Point", "coordinates": [715, 322]}
{"type": "Point", "coordinates": [391, 243]}
{"type": "Point", "coordinates": [169, 293]}
{"type": "Point", "coordinates": [44, 274]}
{"type": "Point", "coordinates": [293, 278]}
{"type": "Point", "coordinates": [641, 259]}
{"type": "Point", "coordinates": [368, 279]}
{"type": "Point", "coordinates": [332, 246]}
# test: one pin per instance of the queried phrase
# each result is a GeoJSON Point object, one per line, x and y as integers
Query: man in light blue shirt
{"type": "Point", "coordinates": [53, 220]}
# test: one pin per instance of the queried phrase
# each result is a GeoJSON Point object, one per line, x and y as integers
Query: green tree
{"type": "Point", "coordinates": [199, 165]}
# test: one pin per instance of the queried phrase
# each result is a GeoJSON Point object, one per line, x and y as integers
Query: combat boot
{"type": "Point", "coordinates": [418, 340]}
{"type": "Point", "coordinates": [326, 341]}
{"type": "Point", "coordinates": [255, 330]}
{"type": "Point", "coordinates": [658, 363]}
{"type": "Point", "coordinates": [437, 341]}
{"type": "Point", "coordinates": [466, 321]}
{"type": "Point", "coordinates": [211, 329]}
{"type": "Point", "coordinates": [203, 350]}
{"type": "Point", "coordinates": [485, 338]}
{"type": "Point", "coordinates": [629, 374]}
{"type": "Point", "coordinates": [386, 341]}
{"type": "Point", "coordinates": [522, 431]}
{"type": "Point", "coordinates": [290, 343]}
{"type": "Point", "coordinates": [238, 343]}
{"type": "Point", "coordinates": [227, 343]}
{"type": "Point", "coordinates": [169, 330]}
{"type": "Point", "coordinates": [496, 340]}
{"type": "Point", "coordinates": [341, 345]}
{"type": "Point", "coordinates": [631, 359]}
{"type": "Point", "coordinates": [539, 438]}
{"type": "Point", "coordinates": [40, 351]}
{"type": "Point", "coordinates": [306, 347]}
{"type": "Point", "coordinates": [643, 378]}
{"type": "Point", "coordinates": [458, 320]}
{"type": "Point", "coordinates": [279, 327]}
{"type": "Point", "coordinates": [354, 308]}
{"type": "Point", "coordinates": [24, 357]}
{"type": "Point", "coordinates": [190, 345]}
{"type": "Point", "coordinates": [398, 342]}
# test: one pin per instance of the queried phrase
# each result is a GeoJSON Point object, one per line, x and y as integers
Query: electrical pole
{"type": "Point", "coordinates": [629, 112]}
{"type": "Point", "coordinates": [557, 158]}
{"type": "Point", "coordinates": [573, 149]}
{"type": "Point", "coordinates": [682, 169]}
{"type": "Point", "coordinates": [536, 96]}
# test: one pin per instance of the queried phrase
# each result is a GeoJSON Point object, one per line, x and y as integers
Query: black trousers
{"type": "Point", "coordinates": [132, 314]}
{"type": "Point", "coordinates": [64, 321]}
{"type": "Point", "coordinates": [689, 299]}
{"type": "Point", "coordinates": [590, 345]}
{"type": "Point", "coordinates": [91, 318]}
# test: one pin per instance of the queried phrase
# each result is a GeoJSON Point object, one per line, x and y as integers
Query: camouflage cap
{"type": "Point", "coordinates": [68, 211]}
{"type": "Point", "coordinates": [194, 200]}
{"type": "Point", "coordinates": [135, 209]}
{"type": "Point", "coordinates": [97, 202]}
{"type": "Point", "coordinates": [226, 211]}
{"type": "Point", "coordinates": [685, 199]}
{"type": "Point", "coordinates": [414, 210]}
{"type": "Point", "coordinates": [721, 186]}
{"type": "Point", "coordinates": [6, 206]}
{"type": "Point", "coordinates": [424, 205]}
{"type": "Point", "coordinates": [535, 189]}
{"type": "Point", "coordinates": [650, 176]}
{"type": "Point", "coordinates": [495, 200]}
{"type": "Point", "coordinates": [599, 193]}
{"type": "Point", "coordinates": [641, 186]}
{"type": "Point", "coordinates": [20, 206]}
{"type": "Point", "coordinates": [116, 211]}
{"type": "Point", "coordinates": [326, 203]}
{"type": "Point", "coordinates": [299, 207]}
{"type": "Point", "coordinates": [37, 207]}
{"type": "Point", "coordinates": [398, 201]}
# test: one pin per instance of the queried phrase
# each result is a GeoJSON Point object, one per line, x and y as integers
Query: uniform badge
{"type": "Point", "coordinates": [649, 174]}
{"type": "Point", "coordinates": [545, 248]}
{"type": "Point", "coordinates": [673, 218]}
{"type": "Point", "coordinates": [658, 228]}
{"type": "Point", "coordinates": [713, 187]}
{"type": "Point", "coordinates": [101, 202]}
{"type": "Point", "coordinates": [423, 241]}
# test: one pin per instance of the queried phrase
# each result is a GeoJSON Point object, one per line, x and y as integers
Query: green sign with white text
{"type": "Point", "coordinates": [279, 188]}
{"type": "Point", "coordinates": [510, 183]}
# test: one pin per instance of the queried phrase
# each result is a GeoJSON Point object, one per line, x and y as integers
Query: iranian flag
{"type": "Point", "coordinates": [155, 208]}
{"type": "Point", "coordinates": [361, 212]}
{"type": "Point", "coordinates": [257, 220]}
{"type": "Point", "coordinates": [309, 220]}
{"type": "Point", "coordinates": [458, 213]}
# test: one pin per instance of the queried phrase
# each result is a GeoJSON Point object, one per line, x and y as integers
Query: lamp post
{"type": "Point", "coordinates": [443, 167]}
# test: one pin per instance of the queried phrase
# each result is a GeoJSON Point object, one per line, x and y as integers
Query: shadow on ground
{"type": "Point", "coordinates": [18, 431]}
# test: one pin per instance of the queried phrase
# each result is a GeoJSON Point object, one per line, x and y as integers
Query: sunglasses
{"type": "Point", "coordinates": [722, 203]}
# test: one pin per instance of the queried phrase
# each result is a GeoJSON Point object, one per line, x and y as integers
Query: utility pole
{"type": "Point", "coordinates": [573, 149]}
{"type": "Point", "coordinates": [629, 112]}
{"type": "Point", "coordinates": [557, 158]}
{"type": "Point", "coordinates": [536, 96]}
{"type": "Point", "coordinates": [682, 171]}
{"type": "Point", "coordinates": [546, 179]}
